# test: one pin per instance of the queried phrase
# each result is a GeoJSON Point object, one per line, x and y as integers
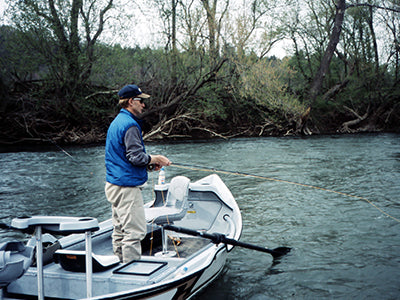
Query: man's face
{"type": "Point", "coordinates": [136, 106]}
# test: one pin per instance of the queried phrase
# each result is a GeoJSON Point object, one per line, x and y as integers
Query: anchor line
{"type": "Point", "coordinates": [226, 172]}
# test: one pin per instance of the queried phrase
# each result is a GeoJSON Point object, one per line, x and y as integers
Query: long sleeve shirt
{"type": "Point", "coordinates": [134, 148]}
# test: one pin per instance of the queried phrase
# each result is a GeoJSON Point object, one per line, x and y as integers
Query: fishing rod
{"type": "Point", "coordinates": [237, 173]}
{"type": "Point", "coordinates": [60, 148]}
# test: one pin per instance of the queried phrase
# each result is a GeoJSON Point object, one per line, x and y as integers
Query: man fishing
{"type": "Point", "coordinates": [126, 166]}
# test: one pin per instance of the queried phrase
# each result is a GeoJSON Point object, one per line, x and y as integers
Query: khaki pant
{"type": "Point", "coordinates": [128, 220]}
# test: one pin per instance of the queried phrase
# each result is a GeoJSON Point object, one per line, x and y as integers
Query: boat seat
{"type": "Point", "coordinates": [50, 246]}
{"type": "Point", "coordinates": [15, 259]}
{"type": "Point", "coordinates": [56, 224]}
{"type": "Point", "coordinates": [174, 209]}
{"type": "Point", "coordinates": [62, 226]}
{"type": "Point", "coordinates": [175, 206]}
{"type": "Point", "coordinates": [75, 261]}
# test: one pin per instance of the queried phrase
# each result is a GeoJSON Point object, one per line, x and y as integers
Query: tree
{"type": "Point", "coordinates": [330, 50]}
{"type": "Point", "coordinates": [65, 33]}
{"type": "Point", "coordinates": [392, 21]}
{"type": "Point", "coordinates": [366, 39]}
{"type": "Point", "coordinates": [214, 26]}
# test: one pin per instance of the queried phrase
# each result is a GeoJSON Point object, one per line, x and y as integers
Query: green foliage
{"type": "Point", "coordinates": [211, 104]}
{"type": "Point", "coordinates": [18, 63]}
{"type": "Point", "coordinates": [75, 78]}
{"type": "Point", "coordinates": [267, 82]}
{"type": "Point", "coordinates": [117, 66]}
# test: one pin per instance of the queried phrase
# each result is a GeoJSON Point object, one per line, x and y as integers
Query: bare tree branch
{"type": "Point", "coordinates": [393, 9]}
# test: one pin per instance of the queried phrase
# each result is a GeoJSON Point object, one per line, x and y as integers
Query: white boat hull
{"type": "Point", "coordinates": [197, 263]}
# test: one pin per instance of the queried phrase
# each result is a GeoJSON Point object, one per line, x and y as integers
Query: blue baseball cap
{"type": "Point", "coordinates": [131, 91]}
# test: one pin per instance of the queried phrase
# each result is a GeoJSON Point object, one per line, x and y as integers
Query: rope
{"type": "Point", "coordinates": [204, 169]}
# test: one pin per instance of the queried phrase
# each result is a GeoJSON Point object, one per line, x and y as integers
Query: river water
{"type": "Point", "coordinates": [345, 246]}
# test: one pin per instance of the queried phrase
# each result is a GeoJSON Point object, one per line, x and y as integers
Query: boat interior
{"type": "Point", "coordinates": [200, 206]}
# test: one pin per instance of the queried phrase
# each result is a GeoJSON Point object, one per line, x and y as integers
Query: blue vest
{"type": "Point", "coordinates": [119, 170]}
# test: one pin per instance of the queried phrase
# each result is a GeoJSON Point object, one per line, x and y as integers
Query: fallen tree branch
{"type": "Point", "coordinates": [210, 131]}
{"type": "Point", "coordinates": [210, 76]}
{"type": "Point", "coordinates": [161, 126]}
{"type": "Point", "coordinates": [268, 123]}
{"type": "Point", "coordinates": [101, 93]}
{"type": "Point", "coordinates": [345, 127]}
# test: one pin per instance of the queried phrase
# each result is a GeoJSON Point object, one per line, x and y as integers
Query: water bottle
{"type": "Point", "coordinates": [161, 176]}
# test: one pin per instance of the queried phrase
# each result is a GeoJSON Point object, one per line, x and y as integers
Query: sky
{"type": "Point", "coordinates": [2, 6]}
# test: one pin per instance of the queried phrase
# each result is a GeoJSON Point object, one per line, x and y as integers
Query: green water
{"type": "Point", "coordinates": [343, 246]}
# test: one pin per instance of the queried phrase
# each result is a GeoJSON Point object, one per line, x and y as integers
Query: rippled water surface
{"type": "Point", "coordinates": [346, 245]}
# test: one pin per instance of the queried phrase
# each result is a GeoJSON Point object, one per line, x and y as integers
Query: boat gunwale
{"type": "Point", "coordinates": [163, 286]}
{"type": "Point", "coordinates": [198, 262]}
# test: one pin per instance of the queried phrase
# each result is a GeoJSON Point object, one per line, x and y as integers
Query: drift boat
{"type": "Point", "coordinates": [72, 258]}
{"type": "Point", "coordinates": [191, 226]}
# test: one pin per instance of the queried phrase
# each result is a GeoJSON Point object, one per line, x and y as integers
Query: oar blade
{"type": "Point", "coordinates": [5, 226]}
{"type": "Point", "coordinates": [280, 251]}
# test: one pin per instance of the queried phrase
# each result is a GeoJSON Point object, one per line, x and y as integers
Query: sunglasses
{"type": "Point", "coordinates": [139, 99]}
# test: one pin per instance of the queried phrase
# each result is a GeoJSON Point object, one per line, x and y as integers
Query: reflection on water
{"type": "Point", "coordinates": [342, 246]}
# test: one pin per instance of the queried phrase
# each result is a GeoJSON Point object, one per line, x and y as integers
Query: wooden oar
{"type": "Point", "coordinates": [217, 238]}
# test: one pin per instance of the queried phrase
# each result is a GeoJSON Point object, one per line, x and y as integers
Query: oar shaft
{"type": "Point", "coordinates": [221, 238]}
{"type": "Point", "coordinates": [189, 231]}
{"type": "Point", "coordinates": [246, 245]}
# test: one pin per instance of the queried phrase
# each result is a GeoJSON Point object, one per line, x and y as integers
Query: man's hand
{"type": "Point", "coordinates": [159, 161]}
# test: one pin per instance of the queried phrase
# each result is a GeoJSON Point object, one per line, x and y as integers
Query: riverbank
{"type": "Point", "coordinates": [11, 136]}
{"type": "Point", "coordinates": [30, 121]}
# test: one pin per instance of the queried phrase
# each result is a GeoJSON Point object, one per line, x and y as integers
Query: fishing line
{"type": "Point", "coordinates": [226, 172]}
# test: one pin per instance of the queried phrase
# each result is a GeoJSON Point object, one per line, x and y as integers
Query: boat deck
{"type": "Point", "coordinates": [183, 247]}
{"type": "Point", "coordinates": [151, 268]}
